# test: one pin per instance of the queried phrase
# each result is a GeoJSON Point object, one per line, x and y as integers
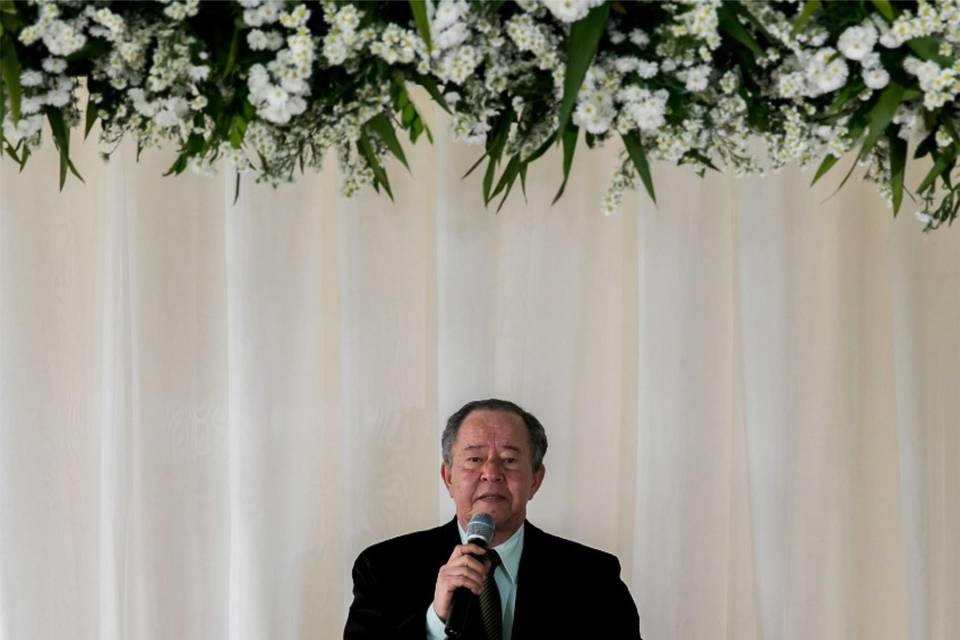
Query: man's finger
{"type": "Point", "coordinates": [453, 582]}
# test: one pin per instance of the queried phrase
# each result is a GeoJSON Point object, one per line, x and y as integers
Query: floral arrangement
{"type": "Point", "coordinates": [273, 86]}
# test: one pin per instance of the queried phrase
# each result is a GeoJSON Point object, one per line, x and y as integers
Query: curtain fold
{"type": "Point", "coordinates": [209, 407]}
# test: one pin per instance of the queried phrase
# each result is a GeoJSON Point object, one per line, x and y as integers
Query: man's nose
{"type": "Point", "coordinates": [492, 470]}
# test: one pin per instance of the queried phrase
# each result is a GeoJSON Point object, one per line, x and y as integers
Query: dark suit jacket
{"type": "Point", "coordinates": [564, 589]}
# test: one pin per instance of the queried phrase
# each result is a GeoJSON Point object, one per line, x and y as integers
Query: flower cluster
{"type": "Point", "coordinates": [272, 85]}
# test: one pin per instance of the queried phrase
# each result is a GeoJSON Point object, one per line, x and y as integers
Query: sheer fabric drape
{"type": "Point", "coordinates": [208, 409]}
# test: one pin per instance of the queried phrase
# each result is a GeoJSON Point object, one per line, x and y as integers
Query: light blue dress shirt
{"type": "Point", "coordinates": [505, 577]}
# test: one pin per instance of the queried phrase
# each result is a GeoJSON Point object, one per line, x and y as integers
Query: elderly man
{"type": "Point", "coordinates": [541, 586]}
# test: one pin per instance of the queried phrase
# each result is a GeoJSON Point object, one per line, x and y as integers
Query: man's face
{"type": "Point", "coordinates": [492, 470]}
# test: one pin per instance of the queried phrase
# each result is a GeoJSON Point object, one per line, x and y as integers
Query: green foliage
{"type": "Point", "coordinates": [525, 93]}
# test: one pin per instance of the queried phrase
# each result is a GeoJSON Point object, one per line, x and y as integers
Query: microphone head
{"type": "Point", "coordinates": [480, 529]}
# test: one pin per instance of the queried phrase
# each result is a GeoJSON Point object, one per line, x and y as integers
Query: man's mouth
{"type": "Point", "coordinates": [491, 498]}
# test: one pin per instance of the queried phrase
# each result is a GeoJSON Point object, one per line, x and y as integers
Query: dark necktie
{"type": "Point", "coordinates": [490, 601]}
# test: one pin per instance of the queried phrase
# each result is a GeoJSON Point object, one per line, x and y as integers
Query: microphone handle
{"type": "Point", "coordinates": [461, 608]}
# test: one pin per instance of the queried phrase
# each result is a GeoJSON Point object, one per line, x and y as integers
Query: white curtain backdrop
{"type": "Point", "coordinates": [207, 409]}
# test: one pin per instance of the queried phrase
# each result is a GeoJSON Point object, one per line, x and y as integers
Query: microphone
{"type": "Point", "coordinates": [479, 532]}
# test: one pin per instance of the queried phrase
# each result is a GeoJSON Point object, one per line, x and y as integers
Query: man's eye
{"type": "Point", "coordinates": [474, 459]}
{"type": "Point", "coordinates": [509, 460]}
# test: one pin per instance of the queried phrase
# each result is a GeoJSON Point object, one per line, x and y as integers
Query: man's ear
{"type": "Point", "coordinates": [447, 476]}
{"type": "Point", "coordinates": [537, 480]}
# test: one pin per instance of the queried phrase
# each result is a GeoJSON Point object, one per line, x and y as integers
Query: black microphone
{"type": "Point", "coordinates": [479, 532]}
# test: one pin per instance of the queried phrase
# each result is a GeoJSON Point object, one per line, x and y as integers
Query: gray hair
{"type": "Point", "coordinates": [538, 437]}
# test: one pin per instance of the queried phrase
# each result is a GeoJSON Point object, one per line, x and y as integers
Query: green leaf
{"type": "Point", "coordinates": [824, 167]}
{"type": "Point", "coordinates": [639, 157]}
{"type": "Point", "coordinates": [507, 179]}
{"type": "Point", "coordinates": [926, 146]}
{"type": "Point", "coordinates": [542, 149]}
{"type": "Point", "coordinates": [928, 48]}
{"type": "Point", "coordinates": [569, 146]}
{"type": "Point", "coordinates": [238, 130]}
{"type": "Point", "coordinates": [881, 115]}
{"type": "Point", "coordinates": [365, 148]}
{"type": "Point", "coordinates": [61, 138]}
{"type": "Point", "coordinates": [581, 48]}
{"type": "Point", "coordinates": [381, 125]}
{"type": "Point", "coordinates": [523, 180]}
{"type": "Point", "coordinates": [419, 10]}
{"type": "Point", "coordinates": [416, 128]}
{"type": "Point", "coordinates": [10, 69]}
{"type": "Point", "coordinates": [474, 166]}
{"type": "Point", "coordinates": [408, 113]}
{"type": "Point", "coordinates": [898, 163]}
{"type": "Point", "coordinates": [885, 9]}
{"type": "Point", "coordinates": [809, 8]}
{"type": "Point", "coordinates": [177, 167]}
{"type": "Point", "coordinates": [90, 117]}
{"type": "Point", "coordinates": [428, 83]}
{"type": "Point", "coordinates": [231, 63]}
{"type": "Point", "coordinates": [513, 167]}
{"type": "Point", "coordinates": [944, 163]}
{"type": "Point", "coordinates": [731, 26]}
{"type": "Point", "coordinates": [494, 146]}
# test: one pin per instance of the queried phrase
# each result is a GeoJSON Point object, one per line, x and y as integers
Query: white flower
{"type": "Point", "coordinates": [172, 113]}
{"type": "Point", "coordinates": [943, 138]}
{"type": "Point", "coordinates": [923, 217]}
{"type": "Point", "coordinates": [54, 65]}
{"type": "Point", "coordinates": [647, 69]}
{"type": "Point", "coordinates": [856, 42]}
{"type": "Point", "coordinates": [452, 36]}
{"type": "Point", "coordinates": [648, 114]}
{"type": "Point", "coordinates": [347, 18]}
{"type": "Point", "coordinates": [334, 49]}
{"type": "Point", "coordinates": [876, 78]}
{"type": "Point", "coordinates": [696, 78]}
{"type": "Point", "coordinates": [31, 78]}
{"type": "Point", "coordinates": [199, 73]}
{"type": "Point", "coordinates": [823, 76]}
{"type": "Point", "coordinates": [448, 12]}
{"type": "Point", "coordinates": [58, 98]}
{"type": "Point", "coordinates": [257, 40]}
{"type": "Point", "coordinates": [639, 37]}
{"type": "Point", "coordinates": [296, 18]}
{"type": "Point", "coordinates": [570, 10]}
{"type": "Point", "coordinates": [871, 60]}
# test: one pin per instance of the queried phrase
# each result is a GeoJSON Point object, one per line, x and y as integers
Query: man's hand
{"type": "Point", "coordinates": [461, 570]}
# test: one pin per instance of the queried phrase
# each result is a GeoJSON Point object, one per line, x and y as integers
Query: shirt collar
{"type": "Point", "coordinates": [509, 551]}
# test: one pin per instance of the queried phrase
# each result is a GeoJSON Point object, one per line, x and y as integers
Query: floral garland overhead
{"type": "Point", "coordinates": [274, 86]}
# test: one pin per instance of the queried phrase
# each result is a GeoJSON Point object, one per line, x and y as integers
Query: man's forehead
{"type": "Point", "coordinates": [505, 430]}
